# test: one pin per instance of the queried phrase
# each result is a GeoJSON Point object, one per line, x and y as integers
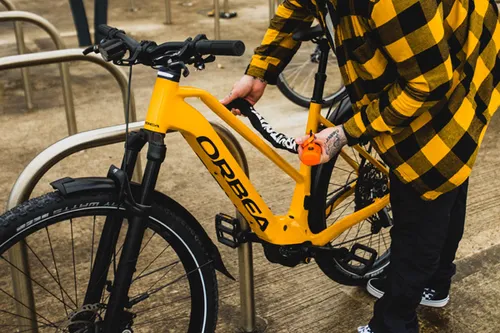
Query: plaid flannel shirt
{"type": "Point", "coordinates": [423, 77]}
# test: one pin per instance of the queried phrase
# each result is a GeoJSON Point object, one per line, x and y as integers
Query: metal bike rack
{"type": "Point", "coordinates": [216, 19]}
{"type": "Point", "coordinates": [56, 38]}
{"type": "Point", "coordinates": [39, 166]}
{"type": "Point", "coordinates": [217, 13]}
{"type": "Point", "coordinates": [168, 12]}
{"type": "Point", "coordinates": [21, 49]}
{"type": "Point", "coordinates": [62, 57]}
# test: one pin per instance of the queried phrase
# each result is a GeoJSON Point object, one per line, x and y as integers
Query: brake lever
{"type": "Point", "coordinates": [199, 62]}
{"type": "Point", "coordinates": [90, 49]}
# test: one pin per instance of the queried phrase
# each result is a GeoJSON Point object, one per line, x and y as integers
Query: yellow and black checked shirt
{"type": "Point", "coordinates": [423, 77]}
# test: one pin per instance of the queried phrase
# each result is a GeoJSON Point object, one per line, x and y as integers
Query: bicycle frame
{"type": "Point", "coordinates": [168, 110]}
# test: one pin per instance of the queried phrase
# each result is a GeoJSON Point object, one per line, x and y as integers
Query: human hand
{"type": "Point", "coordinates": [331, 141]}
{"type": "Point", "coordinates": [247, 87]}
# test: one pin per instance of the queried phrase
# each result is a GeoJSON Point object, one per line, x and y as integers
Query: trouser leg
{"type": "Point", "coordinates": [418, 236]}
{"type": "Point", "coordinates": [441, 281]}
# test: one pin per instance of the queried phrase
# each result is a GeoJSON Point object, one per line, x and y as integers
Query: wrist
{"type": "Point", "coordinates": [343, 135]}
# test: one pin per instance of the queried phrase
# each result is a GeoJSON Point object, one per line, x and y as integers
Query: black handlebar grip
{"type": "Point", "coordinates": [221, 47]}
{"type": "Point", "coordinates": [112, 33]}
{"type": "Point", "coordinates": [105, 29]}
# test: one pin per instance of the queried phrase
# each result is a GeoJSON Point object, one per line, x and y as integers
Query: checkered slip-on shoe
{"type": "Point", "coordinates": [430, 297]}
{"type": "Point", "coordinates": [365, 329]}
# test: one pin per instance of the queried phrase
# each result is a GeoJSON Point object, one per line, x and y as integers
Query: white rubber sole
{"type": "Point", "coordinates": [433, 304]}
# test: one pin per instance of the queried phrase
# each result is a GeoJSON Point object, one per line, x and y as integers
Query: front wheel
{"type": "Point", "coordinates": [174, 288]}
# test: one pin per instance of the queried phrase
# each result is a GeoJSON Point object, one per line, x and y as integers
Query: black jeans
{"type": "Point", "coordinates": [425, 238]}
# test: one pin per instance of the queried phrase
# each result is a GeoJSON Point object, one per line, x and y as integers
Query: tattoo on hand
{"type": "Point", "coordinates": [333, 143]}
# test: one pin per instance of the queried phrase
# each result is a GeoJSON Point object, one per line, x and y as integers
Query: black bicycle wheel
{"type": "Point", "coordinates": [340, 190]}
{"type": "Point", "coordinates": [296, 81]}
{"type": "Point", "coordinates": [174, 284]}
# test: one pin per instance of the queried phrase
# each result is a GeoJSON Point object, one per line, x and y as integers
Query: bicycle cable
{"type": "Point", "coordinates": [127, 111]}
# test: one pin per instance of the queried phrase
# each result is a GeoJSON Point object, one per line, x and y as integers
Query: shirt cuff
{"type": "Point", "coordinates": [352, 132]}
{"type": "Point", "coordinates": [269, 75]}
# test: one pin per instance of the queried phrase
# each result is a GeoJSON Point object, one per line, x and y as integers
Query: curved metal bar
{"type": "Point", "coordinates": [39, 166]}
{"type": "Point", "coordinates": [216, 19]}
{"type": "Point", "coordinates": [18, 15]}
{"type": "Point", "coordinates": [52, 57]}
{"type": "Point", "coordinates": [64, 69]}
{"type": "Point", "coordinates": [168, 12]}
{"type": "Point", "coordinates": [21, 49]}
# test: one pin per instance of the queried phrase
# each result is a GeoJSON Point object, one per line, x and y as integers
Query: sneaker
{"type": "Point", "coordinates": [365, 329]}
{"type": "Point", "coordinates": [430, 297]}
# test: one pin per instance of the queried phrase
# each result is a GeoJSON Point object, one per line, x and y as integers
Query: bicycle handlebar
{"type": "Point", "coordinates": [112, 33]}
{"type": "Point", "coordinates": [200, 47]}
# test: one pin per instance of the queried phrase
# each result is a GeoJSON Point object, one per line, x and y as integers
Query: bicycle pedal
{"type": "Point", "coordinates": [228, 230]}
{"type": "Point", "coordinates": [355, 255]}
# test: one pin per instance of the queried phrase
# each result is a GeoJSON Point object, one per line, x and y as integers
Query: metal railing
{"type": "Point", "coordinates": [21, 49]}
{"type": "Point", "coordinates": [39, 166]}
{"type": "Point", "coordinates": [217, 16]}
{"type": "Point", "coordinates": [63, 68]}
{"type": "Point", "coordinates": [64, 56]}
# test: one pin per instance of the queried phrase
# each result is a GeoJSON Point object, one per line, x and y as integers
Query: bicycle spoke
{"type": "Point", "coordinates": [154, 321]}
{"type": "Point", "coordinates": [149, 265]}
{"type": "Point", "coordinates": [154, 291]}
{"type": "Point", "coordinates": [305, 84]}
{"type": "Point", "coordinates": [55, 266]}
{"type": "Point", "coordinates": [341, 169]}
{"type": "Point", "coordinates": [179, 278]}
{"type": "Point", "coordinates": [74, 260]}
{"type": "Point", "coordinates": [154, 271]}
{"type": "Point", "coordinates": [27, 307]}
{"type": "Point", "coordinates": [345, 206]}
{"type": "Point", "coordinates": [52, 276]}
{"type": "Point", "coordinates": [36, 282]}
{"type": "Point", "coordinates": [43, 326]}
{"type": "Point", "coordinates": [147, 243]}
{"type": "Point", "coordinates": [19, 316]}
{"type": "Point", "coordinates": [352, 240]}
{"type": "Point", "coordinates": [360, 228]}
{"type": "Point", "coordinates": [299, 70]}
{"type": "Point", "coordinates": [161, 278]}
{"type": "Point", "coordinates": [164, 304]}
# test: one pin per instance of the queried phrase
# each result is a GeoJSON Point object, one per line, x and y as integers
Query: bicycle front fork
{"type": "Point", "coordinates": [137, 214]}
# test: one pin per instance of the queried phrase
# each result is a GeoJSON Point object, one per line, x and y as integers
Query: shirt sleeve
{"type": "Point", "coordinates": [412, 34]}
{"type": "Point", "coordinates": [278, 46]}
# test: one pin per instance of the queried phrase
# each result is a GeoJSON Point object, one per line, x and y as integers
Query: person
{"type": "Point", "coordinates": [423, 79]}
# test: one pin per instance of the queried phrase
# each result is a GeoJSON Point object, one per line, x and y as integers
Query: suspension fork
{"type": "Point", "coordinates": [118, 300]}
{"type": "Point", "coordinates": [112, 226]}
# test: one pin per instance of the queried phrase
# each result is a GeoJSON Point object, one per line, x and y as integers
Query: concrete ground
{"type": "Point", "coordinates": [301, 299]}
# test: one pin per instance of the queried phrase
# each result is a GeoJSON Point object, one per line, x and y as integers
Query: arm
{"type": "Point", "coordinates": [423, 64]}
{"type": "Point", "coordinates": [278, 46]}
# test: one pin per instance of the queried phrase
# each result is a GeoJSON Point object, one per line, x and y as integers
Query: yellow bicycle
{"type": "Point", "coordinates": [109, 255]}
